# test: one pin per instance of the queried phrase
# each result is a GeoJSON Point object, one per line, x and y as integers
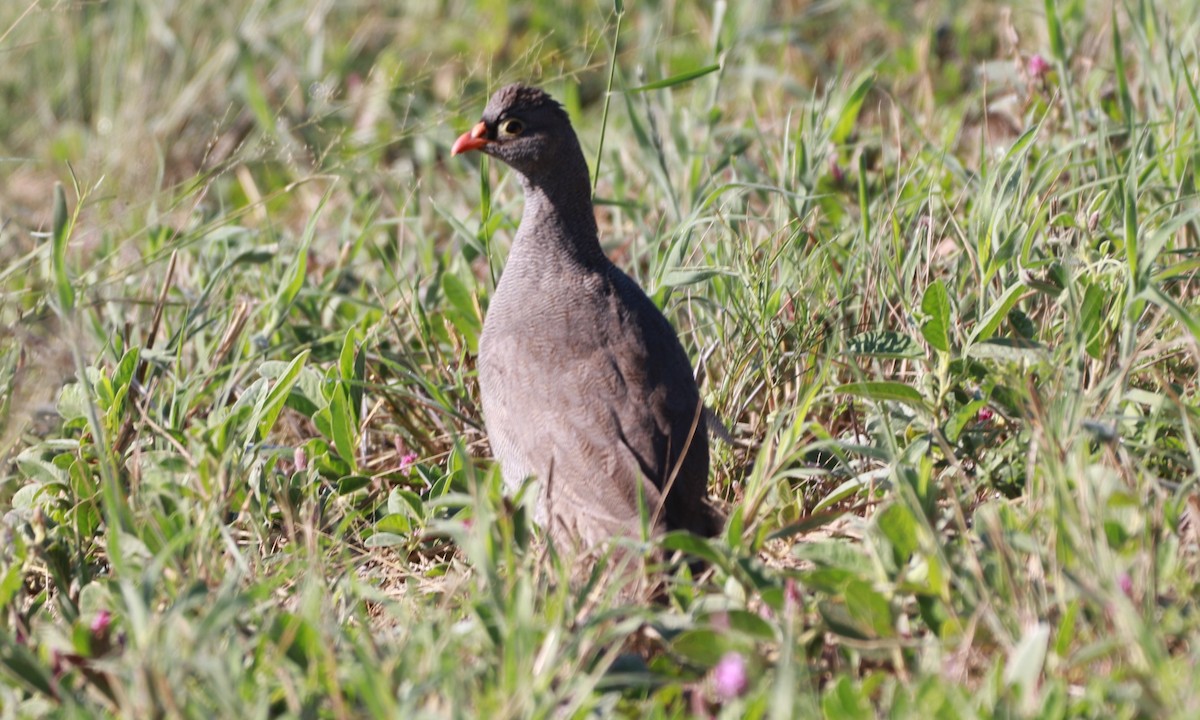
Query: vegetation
{"type": "Point", "coordinates": [936, 261]}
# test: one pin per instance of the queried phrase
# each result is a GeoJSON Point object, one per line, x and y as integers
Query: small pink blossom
{"type": "Point", "coordinates": [407, 461]}
{"type": "Point", "coordinates": [730, 678]}
{"type": "Point", "coordinates": [985, 414]}
{"type": "Point", "coordinates": [101, 622]}
{"type": "Point", "coordinates": [1125, 583]}
{"type": "Point", "coordinates": [1038, 67]}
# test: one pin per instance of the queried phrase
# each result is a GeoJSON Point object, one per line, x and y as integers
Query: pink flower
{"type": "Point", "coordinates": [1038, 67]}
{"type": "Point", "coordinates": [101, 622]}
{"type": "Point", "coordinates": [406, 462]}
{"type": "Point", "coordinates": [730, 679]}
{"type": "Point", "coordinates": [1125, 583]}
{"type": "Point", "coordinates": [985, 414]}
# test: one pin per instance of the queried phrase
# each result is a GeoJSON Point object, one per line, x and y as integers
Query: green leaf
{"type": "Point", "coordinates": [1131, 237]}
{"type": "Point", "coordinates": [883, 344]}
{"type": "Point", "coordinates": [884, 391]}
{"type": "Point", "coordinates": [1024, 666]}
{"type": "Point", "coordinates": [679, 79]}
{"type": "Point", "coordinates": [834, 553]}
{"type": "Point", "coordinates": [706, 646]}
{"type": "Point", "coordinates": [1119, 72]}
{"type": "Point", "coordinates": [1007, 350]}
{"type": "Point", "coordinates": [405, 502]}
{"type": "Point", "coordinates": [843, 699]}
{"type": "Point", "coordinates": [62, 224]}
{"type": "Point", "coordinates": [299, 269]}
{"type": "Point", "coordinates": [272, 403]}
{"type": "Point", "coordinates": [1177, 311]}
{"type": "Point", "coordinates": [18, 663]}
{"type": "Point", "coordinates": [678, 277]}
{"type": "Point", "coordinates": [1054, 30]}
{"type": "Point", "coordinates": [996, 313]}
{"type": "Point", "coordinates": [750, 624]}
{"type": "Point", "coordinates": [849, 115]}
{"type": "Point", "coordinates": [72, 402]}
{"type": "Point", "coordinates": [343, 427]}
{"type": "Point", "coordinates": [935, 303]}
{"type": "Point", "coordinates": [869, 608]}
{"type": "Point", "coordinates": [351, 368]}
{"type": "Point", "coordinates": [898, 525]}
{"type": "Point", "coordinates": [960, 419]}
{"type": "Point", "coordinates": [352, 483]}
{"type": "Point", "coordinates": [463, 312]}
{"type": "Point", "coordinates": [686, 542]}
{"type": "Point", "coordinates": [394, 524]}
{"type": "Point", "coordinates": [10, 584]}
{"type": "Point", "coordinates": [1091, 324]}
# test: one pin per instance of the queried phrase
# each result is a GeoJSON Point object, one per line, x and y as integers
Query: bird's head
{"type": "Point", "coordinates": [524, 127]}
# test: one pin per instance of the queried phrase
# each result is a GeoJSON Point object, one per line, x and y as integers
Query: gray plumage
{"type": "Point", "coordinates": [584, 384]}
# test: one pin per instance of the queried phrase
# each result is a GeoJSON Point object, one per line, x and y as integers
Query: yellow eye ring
{"type": "Point", "coordinates": [511, 126]}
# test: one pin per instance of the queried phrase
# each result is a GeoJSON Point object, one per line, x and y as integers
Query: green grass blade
{"type": "Point", "coordinates": [62, 224]}
{"type": "Point", "coordinates": [680, 79]}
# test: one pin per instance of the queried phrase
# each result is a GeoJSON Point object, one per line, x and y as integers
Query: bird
{"type": "Point", "coordinates": [583, 382]}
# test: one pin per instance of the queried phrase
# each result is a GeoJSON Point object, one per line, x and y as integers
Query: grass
{"type": "Point", "coordinates": [937, 263]}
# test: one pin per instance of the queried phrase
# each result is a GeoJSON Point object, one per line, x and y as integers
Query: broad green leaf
{"type": "Point", "coordinates": [352, 483]}
{"type": "Point", "coordinates": [343, 427]}
{"type": "Point", "coordinates": [869, 609]}
{"type": "Point", "coordinates": [1007, 350]}
{"type": "Point", "coordinates": [399, 525]}
{"type": "Point", "coordinates": [883, 343]}
{"type": "Point", "coordinates": [898, 525]}
{"type": "Point", "coordinates": [706, 646]}
{"type": "Point", "coordinates": [1025, 662]}
{"type": "Point", "coordinates": [405, 502]}
{"type": "Point", "coordinates": [834, 553]}
{"type": "Point", "coordinates": [882, 390]}
{"type": "Point", "coordinates": [935, 303]}
{"type": "Point", "coordinates": [845, 699]}
{"type": "Point", "coordinates": [9, 585]}
{"type": "Point", "coordinates": [682, 541]}
{"type": "Point", "coordinates": [273, 402]}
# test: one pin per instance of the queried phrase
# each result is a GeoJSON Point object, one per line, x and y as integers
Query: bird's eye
{"type": "Point", "coordinates": [511, 127]}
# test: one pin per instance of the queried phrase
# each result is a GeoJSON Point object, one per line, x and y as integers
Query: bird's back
{"type": "Point", "coordinates": [586, 386]}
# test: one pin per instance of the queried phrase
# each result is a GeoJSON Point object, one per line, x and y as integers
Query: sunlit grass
{"type": "Point", "coordinates": [937, 267]}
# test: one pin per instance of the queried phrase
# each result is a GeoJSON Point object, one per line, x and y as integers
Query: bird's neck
{"type": "Point", "coordinates": [559, 218]}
